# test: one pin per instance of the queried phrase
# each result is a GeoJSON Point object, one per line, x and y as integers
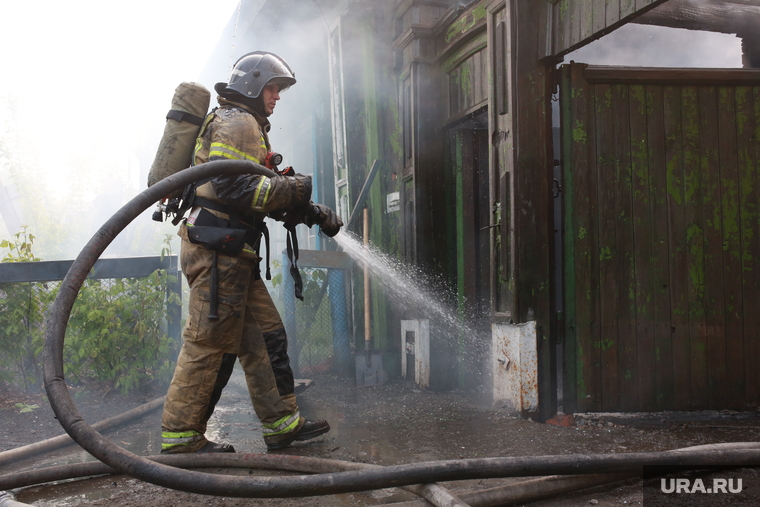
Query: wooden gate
{"type": "Point", "coordinates": [661, 236]}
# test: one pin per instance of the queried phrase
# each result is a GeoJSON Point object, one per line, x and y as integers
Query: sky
{"type": "Point", "coordinates": [92, 80]}
{"type": "Point", "coordinates": [94, 75]}
{"type": "Point", "coordinates": [657, 46]}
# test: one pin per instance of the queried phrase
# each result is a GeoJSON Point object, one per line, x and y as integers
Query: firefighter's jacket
{"type": "Point", "coordinates": [233, 131]}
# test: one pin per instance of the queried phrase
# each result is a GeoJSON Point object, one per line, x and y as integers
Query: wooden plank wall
{"type": "Point", "coordinates": [576, 22]}
{"type": "Point", "coordinates": [532, 183]}
{"type": "Point", "coordinates": [662, 239]}
{"type": "Point", "coordinates": [468, 84]}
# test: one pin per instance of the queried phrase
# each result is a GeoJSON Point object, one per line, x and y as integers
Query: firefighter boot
{"type": "Point", "coordinates": [190, 442]}
{"type": "Point", "coordinates": [215, 447]}
{"type": "Point", "coordinates": [208, 447]}
{"type": "Point", "coordinates": [307, 431]}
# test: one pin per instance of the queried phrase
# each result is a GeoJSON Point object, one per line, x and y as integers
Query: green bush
{"type": "Point", "coordinates": [116, 334]}
{"type": "Point", "coordinates": [22, 308]}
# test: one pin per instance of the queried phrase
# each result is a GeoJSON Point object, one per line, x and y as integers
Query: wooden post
{"type": "Point", "coordinates": [366, 284]}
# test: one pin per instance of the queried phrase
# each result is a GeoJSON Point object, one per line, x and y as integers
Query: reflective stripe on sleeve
{"type": "Point", "coordinates": [284, 425]}
{"type": "Point", "coordinates": [261, 194]}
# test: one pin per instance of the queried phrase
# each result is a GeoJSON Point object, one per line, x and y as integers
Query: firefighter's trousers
{"type": "Point", "coordinates": [248, 328]}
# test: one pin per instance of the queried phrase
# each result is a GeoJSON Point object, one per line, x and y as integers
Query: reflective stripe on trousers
{"type": "Point", "coordinates": [248, 326]}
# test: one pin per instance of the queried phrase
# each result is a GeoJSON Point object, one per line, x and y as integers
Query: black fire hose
{"type": "Point", "coordinates": [288, 463]}
{"type": "Point", "coordinates": [332, 483]}
{"type": "Point", "coordinates": [303, 464]}
{"type": "Point", "coordinates": [450, 470]}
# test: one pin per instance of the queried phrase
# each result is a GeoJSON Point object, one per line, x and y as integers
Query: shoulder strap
{"type": "Point", "coordinates": [177, 115]}
{"type": "Point", "coordinates": [188, 194]}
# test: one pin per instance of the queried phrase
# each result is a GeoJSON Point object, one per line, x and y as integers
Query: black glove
{"type": "Point", "coordinates": [292, 217]}
{"type": "Point", "coordinates": [300, 191]}
{"type": "Point", "coordinates": [327, 220]}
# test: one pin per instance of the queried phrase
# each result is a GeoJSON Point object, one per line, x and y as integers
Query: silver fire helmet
{"type": "Point", "coordinates": [253, 71]}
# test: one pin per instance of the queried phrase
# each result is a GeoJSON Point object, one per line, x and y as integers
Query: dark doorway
{"type": "Point", "coordinates": [469, 163]}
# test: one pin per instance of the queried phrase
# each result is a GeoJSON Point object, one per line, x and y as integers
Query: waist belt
{"type": "Point", "coordinates": [253, 233]}
{"type": "Point", "coordinates": [235, 222]}
{"type": "Point", "coordinates": [236, 219]}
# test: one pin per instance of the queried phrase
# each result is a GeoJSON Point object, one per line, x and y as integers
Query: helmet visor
{"type": "Point", "coordinates": [282, 83]}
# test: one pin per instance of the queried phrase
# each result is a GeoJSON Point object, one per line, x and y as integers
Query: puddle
{"type": "Point", "coordinates": [71, 493]}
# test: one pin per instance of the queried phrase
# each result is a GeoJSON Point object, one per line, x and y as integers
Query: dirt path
{"type": "Point", "coordinates": [384, 425]}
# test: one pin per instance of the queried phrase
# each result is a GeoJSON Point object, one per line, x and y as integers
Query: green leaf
{"type": "Point", "coordinates": [25, 407]}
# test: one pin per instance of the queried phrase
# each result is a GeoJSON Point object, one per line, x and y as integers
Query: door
{"type": "Point", "coordinates": [469, 157]}
{"type": "Point", "coordinates": [661, 238]}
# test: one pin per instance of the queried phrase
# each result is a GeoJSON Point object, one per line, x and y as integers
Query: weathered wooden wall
{"type": "Point", "coordinates": [533, 203]}
{"type": "Point", "coordinates": [501, 134]}
{"type": "Point", "coordinates": [575, 22]}
{"type": "Point", "coordinates": [662, 238]}
{"type": "Point", "coordinates": [366, 128]}
{"type": "Point", "coordinates": [468, 81]}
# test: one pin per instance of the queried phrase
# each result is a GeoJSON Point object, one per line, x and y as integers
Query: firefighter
{"type": "Point", "coordinates": [231, 314]}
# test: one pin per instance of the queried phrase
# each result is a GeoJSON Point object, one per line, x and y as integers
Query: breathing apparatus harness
{"type": "Point", "coordinates": [229, 236]}
{"type": "Point", "coordinates": [206, 229]}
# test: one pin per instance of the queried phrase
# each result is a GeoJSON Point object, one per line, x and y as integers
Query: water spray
{"type": "Point", "coordinates": [419, 295]}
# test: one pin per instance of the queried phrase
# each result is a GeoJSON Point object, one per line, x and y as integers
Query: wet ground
{"type": "Point", "coordinates": [391, 424]}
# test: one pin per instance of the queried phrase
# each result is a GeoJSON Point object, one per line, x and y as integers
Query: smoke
{"type": "Point", "coordinates": [85, 90]}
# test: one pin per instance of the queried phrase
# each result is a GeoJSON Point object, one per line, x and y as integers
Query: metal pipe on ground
{"type": "Point", "coordinates": [323, 484]}
{"type": "Point", "coordinates": [547, 487]}
{"type": "Point", "coordinates": [720, 446]}
{"type": "Point", "coordinates": [60, 441]}
{"type": "Point", "coordinates": [529, 491]}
